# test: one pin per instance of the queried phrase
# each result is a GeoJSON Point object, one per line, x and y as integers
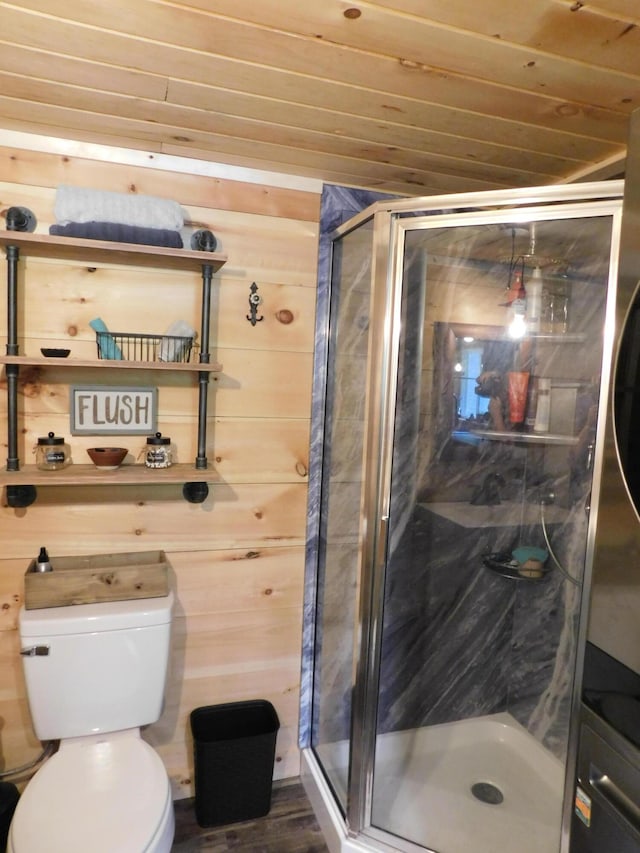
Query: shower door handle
{"type": "Point", "coordinates": [381, 544]}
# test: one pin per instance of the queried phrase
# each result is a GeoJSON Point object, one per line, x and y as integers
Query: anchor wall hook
{"type": "Point", "coordinates": [254, 300]}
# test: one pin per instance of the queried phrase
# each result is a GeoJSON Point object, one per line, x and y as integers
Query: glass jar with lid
{"type": "Point", "coordinates": [52, 452]}
{"type": "Point", "coordinates": [158, 451]}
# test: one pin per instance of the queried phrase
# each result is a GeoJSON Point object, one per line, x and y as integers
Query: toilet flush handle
{"type": "Point", "coordinates": [32, 651]}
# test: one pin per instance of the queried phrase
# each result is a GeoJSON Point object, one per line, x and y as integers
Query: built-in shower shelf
{"type": "Point", "coordinates": [559, 337]}
{"type": "Point", "coordinates": [506, 513]}
{"type": "Point", "coordinates": [504, 565]}
{"type": "Point", "coordinates": [480, 435]}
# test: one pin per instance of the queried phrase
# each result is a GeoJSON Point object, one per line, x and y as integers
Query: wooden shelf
{"type": "Point", "coordinates": [74, 248]}
{"type": "Point", "coordinates": [22, 483]}
{"type": "Point", "coordinates": [89, 475]}
{"type": "Point", "coordinates": [117, 364]}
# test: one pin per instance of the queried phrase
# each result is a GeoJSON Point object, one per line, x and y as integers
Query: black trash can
{"type": "Point", "coordinates": [234, 749]}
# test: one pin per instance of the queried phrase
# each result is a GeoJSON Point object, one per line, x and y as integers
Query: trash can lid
{"type": "Point", "coordinates": [233, 720]}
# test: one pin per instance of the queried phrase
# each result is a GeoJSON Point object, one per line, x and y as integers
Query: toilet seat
{"type": "Point", "coordinates": [104, 794]}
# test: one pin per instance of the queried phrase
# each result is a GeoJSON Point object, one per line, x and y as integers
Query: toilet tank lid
{"type": "Point", "coordinates": [103, 616]}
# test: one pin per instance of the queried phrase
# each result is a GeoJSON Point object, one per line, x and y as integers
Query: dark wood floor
{"type": "Point", "coordinates": [290, 827]}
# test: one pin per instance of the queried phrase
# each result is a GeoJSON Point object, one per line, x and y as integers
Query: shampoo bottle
{"type": "Point", "coordinates": [534, 300]}
{"type": "Point", "coordinates": [543, 409]}
{"type": "Point", "coordinates": [532, 404]}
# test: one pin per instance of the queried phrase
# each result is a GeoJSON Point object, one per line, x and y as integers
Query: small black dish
{"type": "Point", "coordinates": [53, 352]}
{"type": "Point", "coordinates": [508, 567]}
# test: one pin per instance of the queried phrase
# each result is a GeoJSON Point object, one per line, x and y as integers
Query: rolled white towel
{"type": "Point", "coordinates": [78, 204]}
{"type": "Point", "coordinates": [178, 335]}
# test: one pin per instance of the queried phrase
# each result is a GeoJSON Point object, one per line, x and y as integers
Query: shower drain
{"type": "Point", "coordinates": [487, 793]}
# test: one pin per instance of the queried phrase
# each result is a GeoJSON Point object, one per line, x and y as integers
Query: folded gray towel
{"type": "Point", "coordinates": [118, 233]}
{"type": "Point", "coordinates": [78, 204]}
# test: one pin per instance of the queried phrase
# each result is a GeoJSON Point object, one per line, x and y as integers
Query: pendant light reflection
{"type": "Point", "coordinates": [517, 328]}
{"type": "Point", "coordinates": [517, 305]}
{"type": "Point", "coordinates": [516, 293]}
{"type": "Point", "coordinates": [541, 307]}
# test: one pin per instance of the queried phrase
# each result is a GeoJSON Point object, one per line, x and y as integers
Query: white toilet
{"type": "Point", "coordinates": [94, 674]}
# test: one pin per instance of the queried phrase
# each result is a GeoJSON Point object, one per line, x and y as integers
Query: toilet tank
{"type": "Point", "coordinates": [92, 668]}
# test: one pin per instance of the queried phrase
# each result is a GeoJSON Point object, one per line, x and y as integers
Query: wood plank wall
{"type": "Point", "coordinates": [238, 558]}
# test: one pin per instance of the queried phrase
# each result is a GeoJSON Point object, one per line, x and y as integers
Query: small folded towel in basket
{"type": "Point", "coordinates": [108, 347]}
{"type": "Point", "coordinates": [178, 336]}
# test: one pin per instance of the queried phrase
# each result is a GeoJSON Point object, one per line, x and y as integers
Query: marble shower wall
{"type": "Point", "coordinates": [461, 641]}
{"type": "Point", "coordinates": [330, 581]}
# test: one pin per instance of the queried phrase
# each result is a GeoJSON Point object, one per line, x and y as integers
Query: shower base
{"type": "Point", "coordinates": [483, 784]}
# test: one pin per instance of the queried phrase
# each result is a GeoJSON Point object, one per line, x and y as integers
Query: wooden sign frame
{"type": "Point", "coordinates": [113, 410]}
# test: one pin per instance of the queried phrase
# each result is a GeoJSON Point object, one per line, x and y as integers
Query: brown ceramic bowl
{"type": "Point", "coordinates": [107, 458]}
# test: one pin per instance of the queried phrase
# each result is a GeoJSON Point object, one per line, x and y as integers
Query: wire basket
{"type": "Point", "coordinates": [125, 346]}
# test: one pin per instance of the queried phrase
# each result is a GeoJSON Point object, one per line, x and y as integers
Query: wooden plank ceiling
{"type": "Point", "coordinates": [405, 96]}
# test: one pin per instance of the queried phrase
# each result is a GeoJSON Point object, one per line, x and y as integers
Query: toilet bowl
{"type": "Point", "coordinates": [108, 794]}
{"type": "Point", "coordinates": [95, 673]}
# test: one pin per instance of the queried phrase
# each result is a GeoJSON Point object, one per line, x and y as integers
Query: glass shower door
{"type": "Point", "coordinates": [338, 551]}
{"type": "Point", "coordinates": [492, 463]}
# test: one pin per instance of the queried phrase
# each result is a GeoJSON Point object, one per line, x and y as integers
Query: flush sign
{"type": "Point", "coordinates": [107, 410]}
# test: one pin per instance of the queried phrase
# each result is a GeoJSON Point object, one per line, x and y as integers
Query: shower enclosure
{"type": "Point", "coordinates": [465, 375]}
